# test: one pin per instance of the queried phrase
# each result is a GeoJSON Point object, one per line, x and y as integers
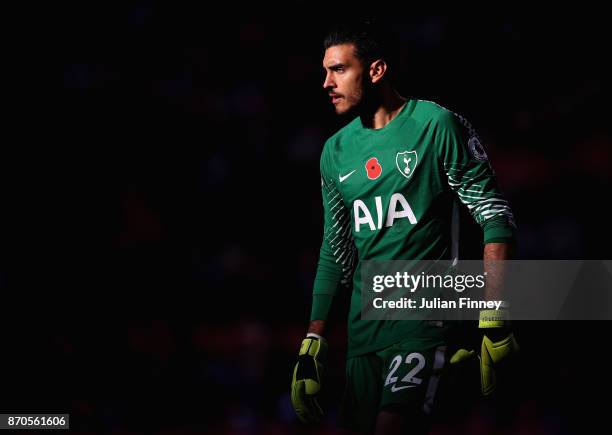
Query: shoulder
{"type": "Point", "coordinates": [443, 121]}
{"type": "Point", "coordinates": [429, 112]}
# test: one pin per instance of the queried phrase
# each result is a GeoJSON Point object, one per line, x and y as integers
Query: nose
{"type": "Point", "coordinates": [328, 83]}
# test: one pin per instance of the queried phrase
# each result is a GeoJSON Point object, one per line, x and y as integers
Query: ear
{"type": "Point", "coordinates": [378, 69]}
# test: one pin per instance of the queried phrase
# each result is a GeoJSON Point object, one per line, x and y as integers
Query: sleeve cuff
{"type": "Point", "coordinates": [498, 230]}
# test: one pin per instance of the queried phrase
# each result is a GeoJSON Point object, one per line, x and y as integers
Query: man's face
{"type": "Point", "coordinates": [344, 79]}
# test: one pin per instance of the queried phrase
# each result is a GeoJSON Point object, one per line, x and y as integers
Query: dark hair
{"type": "Point", "coordinates": [371, 40]}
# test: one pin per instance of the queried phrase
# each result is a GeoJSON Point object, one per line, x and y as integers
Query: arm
{"type": "Point", "coordinates": [337, 255]}
{"type": "Point", "coordinates": [336, 260]}
{"type": "Point", "coordinates": [317, 327]}
{"type": "Point", "coordinates": [494, 254]}
{"type": "Point", "coordinates": [472, 178]}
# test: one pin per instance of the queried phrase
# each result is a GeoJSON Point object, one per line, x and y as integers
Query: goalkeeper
{"type": "Point", "coordinates": [390, 180]}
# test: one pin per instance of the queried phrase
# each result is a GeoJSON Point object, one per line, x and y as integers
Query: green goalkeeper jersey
{"type": "Point", "coordinates": [388, 194]}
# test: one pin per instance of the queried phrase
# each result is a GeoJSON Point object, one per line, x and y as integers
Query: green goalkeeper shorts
{"type": "Point", "coordinates": [401, 378]}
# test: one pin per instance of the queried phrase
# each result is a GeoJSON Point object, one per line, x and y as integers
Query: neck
{"type": "Point", "coordinates": [383, 109]}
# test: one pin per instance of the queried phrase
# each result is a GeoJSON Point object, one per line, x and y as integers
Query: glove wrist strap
{"type": "Point", "coordinates": [493, 318]}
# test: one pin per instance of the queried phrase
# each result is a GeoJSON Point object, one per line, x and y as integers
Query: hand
{"type": "Point", "coordinates": [498, 344]}
{"type": "Point", "coordinates": [306, 382]}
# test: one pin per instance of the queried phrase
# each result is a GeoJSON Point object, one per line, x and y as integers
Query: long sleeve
{"type": "Point", "coordinates": [472, 178]}
{"type": "Point", "coordinates": [337, 255]}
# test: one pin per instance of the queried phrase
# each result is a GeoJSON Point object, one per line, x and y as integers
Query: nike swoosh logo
{"type": "Point", "coordinates": [394, 388]}
{"type": "Point", "coordinates": [342, 178]}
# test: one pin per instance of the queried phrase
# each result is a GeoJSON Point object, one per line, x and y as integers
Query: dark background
{"type": "Point", "coordinates": [160, 252]}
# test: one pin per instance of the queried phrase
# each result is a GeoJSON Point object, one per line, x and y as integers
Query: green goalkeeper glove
{"type": "Point", "coordinates": [498, 343]}
{"type": "Point", "coordinates": [306, 382]}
